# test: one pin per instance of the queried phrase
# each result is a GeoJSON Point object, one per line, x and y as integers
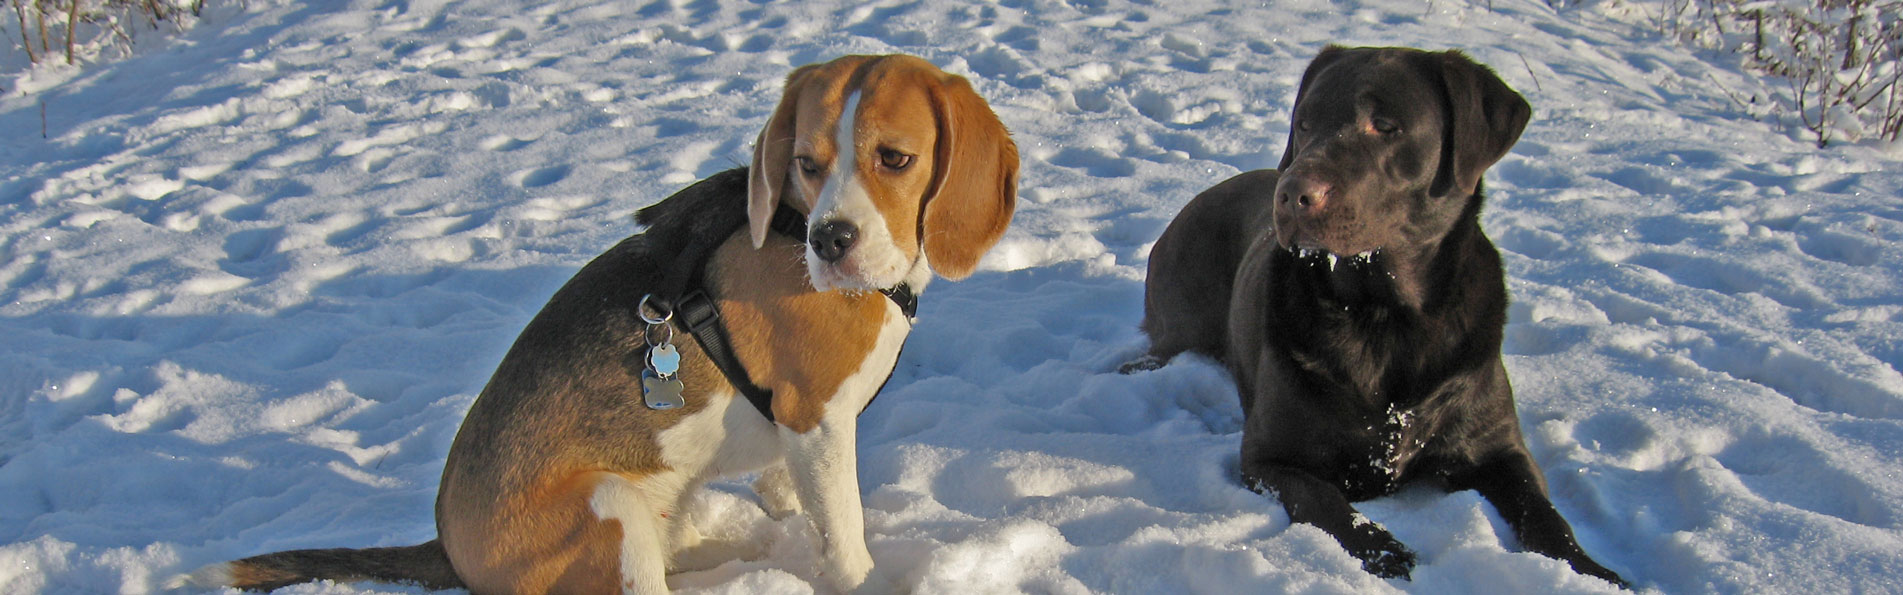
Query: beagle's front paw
{"type": "Point", "coordinates": [777, 496]}
{"type": "Point", "coordinates": [847, 572]}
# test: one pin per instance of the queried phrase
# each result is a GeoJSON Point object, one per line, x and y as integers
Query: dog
{"type": "Point", "coordinates": [1359, 306]}
{"type": "Point", "coordinates": [561, 479]}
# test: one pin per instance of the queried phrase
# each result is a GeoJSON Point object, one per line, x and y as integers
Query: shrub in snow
{"type": "Point", "coordinates": [74, 30]}
{"type": "Point", "coordinates": [1840, 57]}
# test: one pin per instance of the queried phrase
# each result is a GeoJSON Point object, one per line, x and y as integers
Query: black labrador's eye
{"type": "Point", "coordinates": [806, 165]}
{"type": "Point", "coordinates": [1386, 126]}
{"type": "Point", "coordinates": [894, 160]}
{"type": "Point", "coordinates": [1302, 125]}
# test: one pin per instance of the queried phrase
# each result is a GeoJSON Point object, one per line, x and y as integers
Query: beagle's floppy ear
{"type": "Point", "coordinates": [1484, 119]}
{"type": "Point", "coordinates": [975, 187]}
{"type": "Point", "coordinates": [772, 154]}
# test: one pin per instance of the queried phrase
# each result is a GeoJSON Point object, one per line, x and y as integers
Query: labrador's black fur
{"type": "Point", "coordinates": [1359, 305]}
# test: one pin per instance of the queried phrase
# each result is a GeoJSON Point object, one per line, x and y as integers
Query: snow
{"type": "Point", "coordinates": [254, 275]}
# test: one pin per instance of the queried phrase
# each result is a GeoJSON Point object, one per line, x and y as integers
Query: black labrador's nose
{"type": "Point", "coordinates": [1306, 195]}
{"type": "Point", "coordinates": [832, 239]}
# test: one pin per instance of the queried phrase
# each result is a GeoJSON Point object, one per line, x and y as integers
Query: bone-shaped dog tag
{"type": "Point", "coordinates": [664, 360]}
{"type": "Point", "coordinates": [661, 393]}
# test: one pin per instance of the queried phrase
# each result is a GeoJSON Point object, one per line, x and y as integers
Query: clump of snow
{"type": "Point", "coordinates": [251, 280]}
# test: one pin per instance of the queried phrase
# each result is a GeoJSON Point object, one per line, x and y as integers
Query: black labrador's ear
{"type": "Point", "coordinates": [1484, 119]}
{"type": "Point", "coordinates": [1329, 55]}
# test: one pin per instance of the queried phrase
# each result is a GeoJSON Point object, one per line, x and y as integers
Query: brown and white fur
{"type": "Point", "coordinates": [561, 481]}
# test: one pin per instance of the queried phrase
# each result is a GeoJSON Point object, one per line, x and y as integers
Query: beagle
{"type": "Point", "coordinates": [562, 480]}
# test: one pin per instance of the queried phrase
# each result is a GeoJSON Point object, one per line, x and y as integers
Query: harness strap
{"type": "Point", "coordinates": [698, 313]}
{"type": "Point", "coordinates": [903, 296]}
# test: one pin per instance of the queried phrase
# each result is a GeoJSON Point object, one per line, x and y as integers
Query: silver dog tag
{"type": "Point", "coordinates": [664, 360]}
{"type": "Point", "coordinates": [661, 393]}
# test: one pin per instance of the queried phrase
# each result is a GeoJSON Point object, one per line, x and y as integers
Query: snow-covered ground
{"type": "Point", "coordinates": [253, 276]}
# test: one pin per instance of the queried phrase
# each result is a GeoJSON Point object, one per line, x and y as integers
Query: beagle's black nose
{"type": "Point", "coordinates": [832, 239]}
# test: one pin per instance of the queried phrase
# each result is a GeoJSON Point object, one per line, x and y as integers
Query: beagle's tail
{"type": "Point", "coordinates": [423, 564]}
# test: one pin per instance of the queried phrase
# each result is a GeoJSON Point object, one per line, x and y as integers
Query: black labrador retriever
{"type": "Point", "coordinates": [1358, 304]}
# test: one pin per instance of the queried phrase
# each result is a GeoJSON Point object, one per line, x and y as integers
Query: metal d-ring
{"type": "Point", "coordinates": [659, 319]}
{"type": "Point", "coordinates": [662, 316]}
{"type": "Point", "coordinates": [648, 335]}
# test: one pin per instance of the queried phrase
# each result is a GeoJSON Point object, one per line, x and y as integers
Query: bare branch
{"type": "Point", "coordinates": [26, 41]}
{"type": "Point", "coordinates": [72, 22]}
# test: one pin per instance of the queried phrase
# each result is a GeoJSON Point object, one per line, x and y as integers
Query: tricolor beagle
{"type": "Point", "coordinates": [562, 480]}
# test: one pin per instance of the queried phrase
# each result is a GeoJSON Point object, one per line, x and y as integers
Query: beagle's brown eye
{"type": "Point", "coordinates": [894, 160]}
{"type": "Point", "coordinates": [806, 165]}
{"type": "Point", "coordinates": [1385, 126]}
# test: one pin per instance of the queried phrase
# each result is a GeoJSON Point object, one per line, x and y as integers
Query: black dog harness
{"type": "Point", "coordinates": [683, 291]}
